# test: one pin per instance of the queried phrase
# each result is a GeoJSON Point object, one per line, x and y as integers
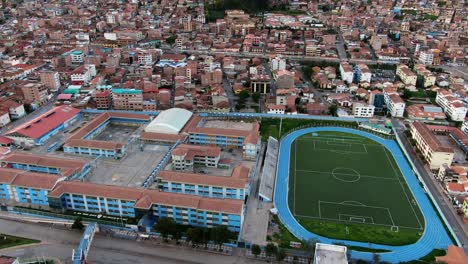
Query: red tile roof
{"type": "Point", "coordinates": [190, 151]}
{"type": "Point", "coordinates": [77, 139]}
{"type": "Point", "coordinates": [66, 166]}
{"type": "Point", "coordinates": [146, 198]}
{"type": "Point", "coordinates": [238, 179]}
{"type": "Point", "coordinates": [108, 191]}
{"type": "Point", "coordinates": [43, 124]}
{"type": "Point", "coordinates": [28, 179]}
{"type": "Point", "coordinates": [160, 137]}
{"type": "Point", "coordinates": [430, 138]}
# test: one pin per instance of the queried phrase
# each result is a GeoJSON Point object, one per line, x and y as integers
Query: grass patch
{"type": "Point", "coordinates": [365, 193]}
{"type": "Point", "coordinates": [284, 237]}
{"type": "Point", "coordinates": [429, 258]}
{"type": "Point", "coordinates": [270, 126]}
{"type": "Point", "coordinates": [361, 232]}
{"type": "Point", "coordinates": [7, 241]}
{"type": "Point", "coordinates": [365, 249]}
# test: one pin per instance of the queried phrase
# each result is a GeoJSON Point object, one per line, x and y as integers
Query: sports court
{"type": "Point", "coordinates": [343, 177]}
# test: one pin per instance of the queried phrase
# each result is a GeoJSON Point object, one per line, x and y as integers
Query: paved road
{"type": "Point", "coordinates": [435, 189]}
{"type": "Point", "coordinates": [59, 243]}
{"type": "Point", "coordinates": [229, 93]}
{"type": "Point", "coordinates": [340, 47]}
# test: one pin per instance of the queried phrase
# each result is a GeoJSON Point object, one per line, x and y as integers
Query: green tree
{"type": "Point", "coordinates": [195, 235]}
{"type": "Point", "coordinates": [333, 110]}
{"type": "Point", "coordinates": [256, 97]}
{"type": "Point", "coordinates": [77, 224]}
{"type": "Point", "coordinates": [256, 250]}
{"type": "Point", "coordinates": [271, 249]}
{"type": "Point", "coordinates": [171, 39]}
{"type": "Point", "coordinates": [244, 94]}
{"type": "Point", "coordinates": [166, 226]}
{"type": "Point", "coordinates": [281, 255]}
{"type": "Point", "coordinates": [219, 235]}
{"type": "Point", "coordinates": [407, 94]}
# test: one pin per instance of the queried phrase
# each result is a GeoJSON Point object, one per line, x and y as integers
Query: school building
{"type": "Point", "coordinates": [26, 188]}
{"type": "Point", "coordinates": [82, 142]}
{"type": "Point", "coordinates": [41, 128]}
{"type": "Point", "coordinates": [45, 164]}
{"type": "Point", "coordinates": [185, 156]}
{"type": "Point", "coordinates": [234, 187]}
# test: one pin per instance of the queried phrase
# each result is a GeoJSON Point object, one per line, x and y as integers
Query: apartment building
{"type": "Point", "coordinates": [426, 56]}
{"type": "Point", "coordinates": [428, 77]}
{"type": "Point", "coordinates": [127, 99]}
{"type": "Point", "coordinates": [34, 92]}
{"type": "Point", "coordinates": [185, 156]}
{"type": "Point", "coordinates": [433, 151]}
{"type": "Point", "coordinates": [362, 73]}
{"type": "Point", "coordinates": [77, 56]}
{"type": "Point", "coordinates": [50, 80]}
{"type": "Point", "coordinates": [103, 99]}
{"type": "Point", "coordinates": [363, 110]}
{"type": "Point", "coordinates": [395, 105]}
{"type": "Point", "coordinates": [406, 75]}
{"type": "Point", "coordinates": [453, 106]}
{"type": "Point", "coordinates": [347, 73]}
{"type": "Point", "coordinates": [275, 109]}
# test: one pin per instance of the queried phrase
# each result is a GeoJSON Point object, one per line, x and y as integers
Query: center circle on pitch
{"type": "Point", "coordinates": [346, 174]}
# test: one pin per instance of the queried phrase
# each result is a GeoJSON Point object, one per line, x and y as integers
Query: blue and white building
{"type": "Point", "coordinates": [236, 186]}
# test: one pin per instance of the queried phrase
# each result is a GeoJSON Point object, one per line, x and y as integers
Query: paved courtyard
{"type": "Point", "coordinates": [131, 170]}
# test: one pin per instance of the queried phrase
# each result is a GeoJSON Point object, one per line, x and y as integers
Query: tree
{"type": "Point", "coordinates": [219, 235]}
{"type": "Point", "coordinates": [281, 255]}
{"type": "Point", "coordinates": [256, 97]}
{"type": "Point", "coordinates": [244, 94]}
{"type": "Point", "coordinates": [256, 250]}
{"type": "Point", "coordinates": [195, 235]}
{"type": "Point", "coordinates": [171, 39]}
{"type": "Point", "coordinates": [271, 249]}
{"type": "Point", "coordinates": [333, 110]}
{"type": "Point", "coordinates": [77, 224]}
{"type": "Point", "coordinates": [166, 226]}
{"type": "Point", "coordinates": [407, 94]}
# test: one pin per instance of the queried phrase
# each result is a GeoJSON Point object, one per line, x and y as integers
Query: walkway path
{"type": "Point", "coordinates": [434, 235]}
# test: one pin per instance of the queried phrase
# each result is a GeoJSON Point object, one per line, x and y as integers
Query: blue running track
{"type": "Point", "coordinates": [434, 235]}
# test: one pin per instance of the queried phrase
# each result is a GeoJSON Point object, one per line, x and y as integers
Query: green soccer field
{"type": "Point", "coordinates": [345, 178]}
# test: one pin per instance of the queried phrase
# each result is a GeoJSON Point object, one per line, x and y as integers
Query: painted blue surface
{"type": "Point", "coordinates": [81, 252]}
{"type": "Point", "coordinates": [434, 235]}
{"type": "Point", "coordinates": [243, 115]}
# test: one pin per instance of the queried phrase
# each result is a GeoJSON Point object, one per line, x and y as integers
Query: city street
{"type": "Point", "coordinates": [59, 243]}
{"type": "Point", "coordinates": [434, 187]}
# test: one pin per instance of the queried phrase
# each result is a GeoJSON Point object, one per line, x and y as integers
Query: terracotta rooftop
{"type": "Point", "coordinates": [41, 125]}
{"type": "Point", "coordinates": [78, 138]}
{"type": "Point", "coordinates": [66, 166]}
{"type": "Point", "coordinates": [160, 137]}
{"type": "Point", "coordinates": [190, 151]}
{"type": "Point", "coordinates": [146, 198]}
{"type": "Point", "coordinates": [430, 138]}
{"type": "Point", "coordinates": [28, 179]}
{"type": "Point", "coordinates": [238, 178]}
